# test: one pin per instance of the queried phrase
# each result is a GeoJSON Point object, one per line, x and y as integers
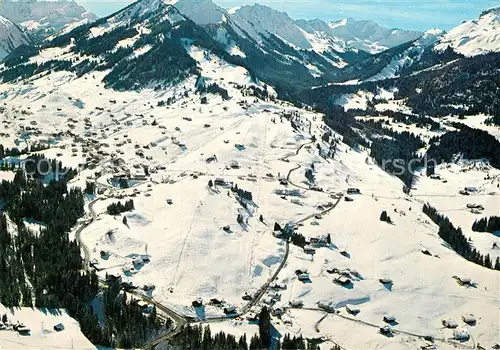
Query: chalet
{"type": "Point", "coordinates": [230, 309]}
{"type": "Point", "coordinates": [342, 280]}
{"type": "Point", "coordinates": [148, 287]}
{"type": "Point", "coordinates": [461, 335]}
{"type": "Point", "coordinates": [268, 300]}
{"type": "Point", "coordinates": [239, 147]}
{"type": "Point", "coordinates": [296, 303]}
{"type": "Point", "coordinates": [169, 201]}
{"type": "Point", "coordinates": [386, 330]}
{"type": "Point", "coordinates": [23, 330]}
{"type": "Point", "coordinates": [449, 324]}
{"type": "Point", "coordinates": [247, 297]}
{"type": "Point", "coordinates": [426, 252]}
{"type": "Point", "coordinates": [287, 320]}
{"type": "Point", "coordinates": [469, 319]}
{"type": "Point", "coordinates": [353, 310]}
{"type": "Point", "coordinates": [332, 269]}
{"type": "Point", "coordinates": [353, 191]}
{"type": "Point", "coordinates": [301, 271]}
{"type": "Point", "coordinates": [276, 285]}
{"type": "Point", "coordinates": [220, 182]}
{"type": "Point", "coordinates": [389, 319]}
{"type": "Point", "coordinates": [216, 301]}
{"type": "Point", "coordinates": [303, 277]}
{"type": "Point", "coordinates": [326, 305]}
{"type": "Point", "coordinates": [59, 327]}
{"type": "Point", "coordinates": [385, 281]}
{"type": "Point", "coordinates": [137, 261]}
{"type": "Point", "coordinates": [309, 250]}
{"type": "Point", "coordinates": [227, 228]}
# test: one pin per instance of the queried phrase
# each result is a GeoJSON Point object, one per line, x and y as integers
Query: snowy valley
{"type": "Point", "coordinates": [224, 172]}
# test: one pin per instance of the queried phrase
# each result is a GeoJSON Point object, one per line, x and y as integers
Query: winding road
{"type": "Point", "coordinates": [179, 320]}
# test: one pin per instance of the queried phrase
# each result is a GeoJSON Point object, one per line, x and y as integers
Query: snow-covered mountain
{"type": "Point", "coordinates": [44, 17]}
{"type": "Point", "coordinates": [11, 36]}
{"type": "Point", "coordinates": [266, 42]}
{"type": "Point", "coordinates": [409, 56]}
{"type": "Point", "coordinates": [475, 37]}
{"type": "Point", "coordinates": [370, 36]}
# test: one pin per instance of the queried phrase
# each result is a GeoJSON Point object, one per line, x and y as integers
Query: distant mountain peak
{"type": "Point", "coordinates": [44, 17]}
{"type": "Point", "coordinates": [475, 37]}
{"type": "Point", "coordinates": [11, 36]}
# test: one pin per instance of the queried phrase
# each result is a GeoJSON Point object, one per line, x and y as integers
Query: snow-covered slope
{"type": "Point", "coordinates": [408, 56]}
{"type": "Point", "coordinates": [475, 37]}
{"type": "Point", "coordinates": [42, 334]}
{"type": "Point", "coordinates": [11, 36]}
{"type": "Point", "coordinates": [200, 11]}
{"type": "Point", "coordinates": [370, 36]}
{"type": "Point", "coordinates": [191, 255]}
{"type": "Point", "coordinates": [44, 17]}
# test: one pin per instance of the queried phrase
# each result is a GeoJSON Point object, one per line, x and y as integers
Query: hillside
{"type": "Point", "coordinates": [475, 37]}
{"type": "Point", "coordinates": [11, 36]}
{"type": "Point", "coordinates": [42, 18]}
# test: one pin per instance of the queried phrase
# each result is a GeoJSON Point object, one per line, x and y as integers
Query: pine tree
{"type": "Point", "coordinates": [265, 327]}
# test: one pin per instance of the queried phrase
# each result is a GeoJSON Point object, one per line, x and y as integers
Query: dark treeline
{"type": "Point", "coordinates": [125, 325]}
{"type": "Point", "coordinates": [409, 119]}
{"type": "Point", "coordinates": [467, 86]}
{"type": "Point", "coordinates": [345, 124]}
{"type": "Point", "coordinates": [472, 143]}
{"type": "Point", "coordinates": [196, 337]}
{"type": "Point", "coordinates": [457, 241]}
{"type": "Point", "coordinates": [491, 224]}
{"type": "Point", "coordinates": [212, 88]}
{"type": "Point", "coordinates": [397, 154]}
{"type": "Point", "coordinates": [117, 208]}
{"type": "Point", "coordinates": [495, 120]}
{"type": "Point", "coordinates": [44, 269]}
{"type": "Point", "coordinates": [16, 152]}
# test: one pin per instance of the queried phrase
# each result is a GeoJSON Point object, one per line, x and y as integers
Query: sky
{"type": "Point", "coordinates": [405, 14]}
